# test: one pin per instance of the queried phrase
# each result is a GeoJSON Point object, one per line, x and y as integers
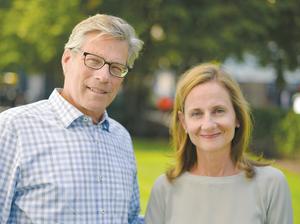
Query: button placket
{"type": "Point", "coordinates": [86, 119]}
{"type": "Point", "coordinates": [100, 178]}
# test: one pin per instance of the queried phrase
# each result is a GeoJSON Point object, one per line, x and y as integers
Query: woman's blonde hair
{"type": "Point", "coordinates": [185, 151]}
{"type": "Point", "coordinates": [110, 26]}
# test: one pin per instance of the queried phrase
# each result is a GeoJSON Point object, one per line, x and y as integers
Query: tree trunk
{"type": "Point", "coordinates": [280, 80]}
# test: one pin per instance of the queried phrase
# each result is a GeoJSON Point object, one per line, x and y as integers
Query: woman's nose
{"type": "Point", "coordinates": [208, 123]}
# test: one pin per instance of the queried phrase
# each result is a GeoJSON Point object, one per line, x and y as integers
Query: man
{"type": "Point", "coordinates": [64, 160]}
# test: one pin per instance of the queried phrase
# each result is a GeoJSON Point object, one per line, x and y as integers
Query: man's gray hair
{"type": "Point", "coordinates": [108, 25]}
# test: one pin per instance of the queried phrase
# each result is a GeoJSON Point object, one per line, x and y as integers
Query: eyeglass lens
{"type": "Point", "coordinates": [96, 62]}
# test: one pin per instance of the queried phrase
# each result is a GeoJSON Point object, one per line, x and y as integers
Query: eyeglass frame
{"type": "Point", "coordinates": [84, 53]}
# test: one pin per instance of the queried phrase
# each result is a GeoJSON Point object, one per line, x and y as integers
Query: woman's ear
{"type": "Point", "coordinates": [237, 124]}
{"type": "Point", "coordinates": [182, 120]}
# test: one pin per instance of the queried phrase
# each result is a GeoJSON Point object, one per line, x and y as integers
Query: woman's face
{"type": "Point", "coordinates": [209, 117]}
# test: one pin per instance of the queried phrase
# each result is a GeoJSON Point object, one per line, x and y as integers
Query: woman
{"type": "Point", "coordinates": [212, 181]}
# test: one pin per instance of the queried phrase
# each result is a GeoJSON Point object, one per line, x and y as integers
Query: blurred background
{"type": "Point", "coordinates": [256, 41]}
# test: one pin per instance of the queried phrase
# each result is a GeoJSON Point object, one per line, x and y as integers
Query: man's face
{"type": "Point", "coordinates": [89, 90]}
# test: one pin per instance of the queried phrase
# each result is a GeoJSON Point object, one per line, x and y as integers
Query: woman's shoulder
{"type": "Point", "coordinates": [162, 182]}
{"type": "Point", "coordinates": [274, 190]}
{"type": "Point", "coordinates": [270, 176]}
{"type": "Point", "coordinates": [269, 172]}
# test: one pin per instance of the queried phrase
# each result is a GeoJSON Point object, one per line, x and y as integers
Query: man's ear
{"type": "Point", "coordinates": [182, 120]}
{"type": "Point", "coordinates": [65, 59]}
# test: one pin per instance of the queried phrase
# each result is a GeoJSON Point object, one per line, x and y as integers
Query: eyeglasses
{"type": "Point", "coordinates": [96, 62]}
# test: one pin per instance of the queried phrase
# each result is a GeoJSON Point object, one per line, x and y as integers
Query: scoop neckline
{"type": "Point", "coordinates": [230, 178]}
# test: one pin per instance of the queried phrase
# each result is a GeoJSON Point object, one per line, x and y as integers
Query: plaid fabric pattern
{"type": "Point", "coordinates": [56, 166]}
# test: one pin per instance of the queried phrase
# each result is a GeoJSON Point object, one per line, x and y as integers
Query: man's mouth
{"type": "Point", "coordinates": [97, 91]}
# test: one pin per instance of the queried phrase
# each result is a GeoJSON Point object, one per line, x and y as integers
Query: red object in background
{"type": "Point", "coordinates": [164, 103]}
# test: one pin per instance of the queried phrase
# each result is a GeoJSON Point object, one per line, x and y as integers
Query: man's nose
{"type": "Point", "coordinates": [103, 73]}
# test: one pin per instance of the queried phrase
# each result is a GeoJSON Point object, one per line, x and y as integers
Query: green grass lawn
{"type": "Point", "coordinates": [154, 156]}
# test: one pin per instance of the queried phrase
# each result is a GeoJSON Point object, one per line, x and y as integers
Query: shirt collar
{"type": "Point", "coordinates": [67, 113]}
{"type": "Point", "coordinates": [105, 122]}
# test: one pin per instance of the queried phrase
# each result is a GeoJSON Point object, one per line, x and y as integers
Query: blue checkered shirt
{"type": "Point", "coordinates": [56, 166]}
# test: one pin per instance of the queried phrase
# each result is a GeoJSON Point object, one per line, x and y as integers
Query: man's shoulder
{"type": "Point", "coordinates": [117, 127]}
{"type": "Point", "coordinates": [24, 111]}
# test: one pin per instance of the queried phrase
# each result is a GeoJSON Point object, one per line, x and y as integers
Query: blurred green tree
{"type": "Point", "coordinates": [177, 35]}
{"type": "Point", "coordinates": [33, 34]}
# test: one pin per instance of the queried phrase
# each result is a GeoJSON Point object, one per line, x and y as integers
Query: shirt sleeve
{"type": "Point", "coordinates": [280, 206]}
{"type": "Point", "coordinates": [134, 206]}
{"type": "Point", "coordinates": [9, 159]}
{"type": "Point", "coordinates": [155, 213]}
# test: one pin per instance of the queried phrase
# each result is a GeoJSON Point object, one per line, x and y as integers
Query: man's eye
{"type": "Point", "coordinates": [116, 69]}
{"type": "Point", "coordinates": [93, 61]}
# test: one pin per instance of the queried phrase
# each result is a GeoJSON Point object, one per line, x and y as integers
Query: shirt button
{"type": "Point", "coordinates": [102, 211]}
{"type": "Point", "coordinates": [100, 178]}
{"type": "Point", "coordinates": [85, 119]}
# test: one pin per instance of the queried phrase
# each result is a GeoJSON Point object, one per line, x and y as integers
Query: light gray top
{"type": "Point", "coordinates": [192, 199]}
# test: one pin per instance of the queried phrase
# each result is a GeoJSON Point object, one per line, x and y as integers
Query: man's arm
{"type": "Point", "coordinates": [9, 160]}
{"type": "Point", "coordinates": [134, 206]}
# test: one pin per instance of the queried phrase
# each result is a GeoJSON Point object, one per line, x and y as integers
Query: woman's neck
{"type": "Point", "coordinates": [215, 164]}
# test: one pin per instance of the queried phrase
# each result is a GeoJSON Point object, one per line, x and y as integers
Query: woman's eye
{"type": "Point", "coordinates": [195, 114]}
{"type": "Point", "coordinates": [219, 111]}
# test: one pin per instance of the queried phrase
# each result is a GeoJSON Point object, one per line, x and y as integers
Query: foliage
{"type": "Point", "coordinates": [276, 133]}
{"type": "Point", "coordinates": [287, 135]}
{"type": "Point", "coordinates": [266, 122]}
{"type": "Point", "coordinates": [279, 46]}
{"type": "Point", "coordinates": [195, 31]}
{"type": "Point", "coordinates": [177, 35]}
{"type": "Point", "coordinates": [33, 34]}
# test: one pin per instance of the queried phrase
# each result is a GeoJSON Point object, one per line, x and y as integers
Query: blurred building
{"type": "Point", "coordinates": [258, 83]}
{"type": "Point", "coordinates": [10, 91]}
{"type": "Point", "coordinates": [20, 88]}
